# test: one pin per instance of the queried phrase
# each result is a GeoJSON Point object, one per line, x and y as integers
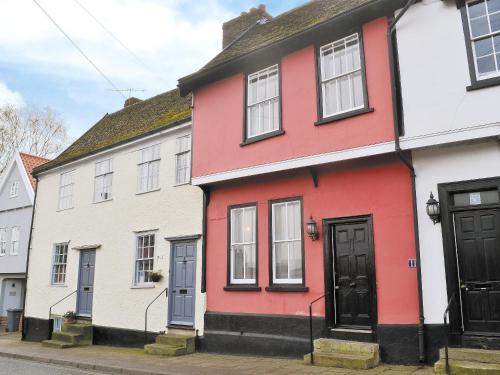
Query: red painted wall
{"type": "Point", "coordinates": [218, 113]}
{"type": "Point", "coordinates": [382, 190]}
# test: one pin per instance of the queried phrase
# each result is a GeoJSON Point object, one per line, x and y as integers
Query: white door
{"type": "Point", "coordinates": [12, 295]}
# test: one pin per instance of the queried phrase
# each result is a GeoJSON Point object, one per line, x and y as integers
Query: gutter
{"type": "Point", "coordinates": [23, 337]}
{"type": "Point", "coordinates": [407, 162]}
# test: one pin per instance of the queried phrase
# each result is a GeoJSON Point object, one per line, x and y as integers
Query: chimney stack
{"type": "Point", "coordinates": [232, 29]}
{"type": "Point", "coordinates": [131, 101]}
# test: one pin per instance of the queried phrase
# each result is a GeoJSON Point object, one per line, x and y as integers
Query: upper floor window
{"type": "Point", "coordinates": [103, 180]}
{"type": "Point", "coordinates": [183, 160]}
{"type": "Point", "coordinates": [483, 21]}
{"type": "Point", "coordinates": [342, 76]}
{"type": "Point", "coordinates": [66, 190]}
{"type": "Point", "coordinates": [149, 169]}
{"type": "Point", "coordinates": [14, 189]}
{"type": "Point", "coordinates": [14, 241]}
{"type": "Point", "coordinates": [144, 258]}
{"type": "Point", "coordinates": [263, 115]}
{"type": "Point", "coordinates": [59, 263]}
{"type": "Point", "coordinates": [3, 241]}
{"type": "Point", "coordinates": [243, 245]}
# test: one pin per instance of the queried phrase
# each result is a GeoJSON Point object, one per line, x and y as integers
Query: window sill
{"type": "Point", "coordinates": [64, 209]}
{"type": "Point", "coordinates": [182, 184]}
{"type": "Point", "coordinates": [103, 201]}
{"type": "Point", "coordinates": [143, 286]}
{"type": "Point", "coordinates": [483, 84]}
{"type": "Point", "coordinates": [287, 288]}
{"type": "Point", "coordinates": [242, 288]}
{"type": "Point", "coordinates": [344, 116]}
{"type": "Point", "coordinates": [262, 137]}
{"type": "Point", "coordinates": [146, 192]}
{"type": "Point", "coordinates": [58, 285]}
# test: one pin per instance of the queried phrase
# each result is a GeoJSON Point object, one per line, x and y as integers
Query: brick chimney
{"type": "Point", "coordinates": [131, 101]}
{"type": "Point", "coordinates": [232, 29]}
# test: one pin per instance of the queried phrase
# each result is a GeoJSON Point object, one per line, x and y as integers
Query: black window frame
{"type": "Point", "coordinates": [254, 287]}
{"type": "Point", "coordinates": [250, 140]}
{"type": "Point", "coordinates": [276, 287]}
{"type": "Point", "coordinates": [319, 85]}
{"type": "Point", "coordinates": [476, 83]}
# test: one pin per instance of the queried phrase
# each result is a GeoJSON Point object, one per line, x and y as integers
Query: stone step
{"type": "Point", "coordinates": [78, 328]}
{"type": "Point", "coordinates": [187, 342]}
{"type": "Point", "coordinates": [57, 344]}
{"type": "Point", "coordinates": [358, 361]}
{"type": "Point", "coordinates": [342, 346]}
{"type": "Point", "coordinates": [472, 355]}
{"type": "Point", "coordinates": [71, 338]}
{"type": "Point", "coordinates": [467, 368]}
{"type": "Point", "coordinates": [165, 350]}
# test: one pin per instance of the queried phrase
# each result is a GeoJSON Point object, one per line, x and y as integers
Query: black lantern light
{"type": "Point", "coordinates": [433, 209]}
{"type": "Point", "coordinates": [312, 229]}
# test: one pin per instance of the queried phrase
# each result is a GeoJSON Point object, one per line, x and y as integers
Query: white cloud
{"type": "Point", "coordinates": [8, 96]}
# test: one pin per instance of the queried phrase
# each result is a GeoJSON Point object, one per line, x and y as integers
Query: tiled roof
{"type": "Point", "coordinates": [132, 122]}
{"type": "Point", "coordinates": [30, 162]}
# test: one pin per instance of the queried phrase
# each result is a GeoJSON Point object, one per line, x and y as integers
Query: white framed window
{"type": "Point", "coordinates": [483, 18]}
{"type": "Point", "coordinates": [144, 258]}
{"type": "Point", "coordinates": [58, 323]}
{"type": "Point", "coordinates": [14, 241]}
{"type": "Point", "coordinates": [287, 262]}
{"type": "Point", "coordinates": [3, 241]}
{"type": "Point", "coordinates": [263, 94]}
{"type": "Point", "coordinates": [66, 190]}
{"type": "Point", "coordinates": [59, 263]}
{"type": "Point", "coordinates": [183, 160]}
{"type": "Point", "coordinates": [14, 189]}
{"type": "Point", "coordinates": [148, 169]}
{"type": "Point", "coordinates": [103, 180]}
{"type": "Point", "coordinates": [243, 246]}
{"type": "Point", "coordinates": [342, 78]}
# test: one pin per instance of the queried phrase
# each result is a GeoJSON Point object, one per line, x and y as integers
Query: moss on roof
{"type": "Point", "coordinates": [283, 26]}
{"type": "Point", "coordinates": [144, 117]}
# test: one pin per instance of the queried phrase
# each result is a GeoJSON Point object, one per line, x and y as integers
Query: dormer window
{"type": "Point", "coordinates": [14, 189]}
{"type": "Point", "coordinates": [263, 103]}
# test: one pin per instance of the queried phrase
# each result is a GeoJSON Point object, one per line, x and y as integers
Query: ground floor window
{"type": "Point", "coordinates": [144, 258]}
{"type": "Point", "coordinates": [59, 263]}
{"type": "Point", "coordinates": [243, 245]}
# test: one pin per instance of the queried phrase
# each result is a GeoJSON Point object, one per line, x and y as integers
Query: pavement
{"type": "Point", "coordinates": [111, 360]}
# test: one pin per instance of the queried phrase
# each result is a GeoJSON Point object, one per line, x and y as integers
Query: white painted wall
{"type": "Point", "coordinates": [434, 76]}
{"type": "Point", "coordinates": [171, 211]}
{"type": "Point", "coordinates": [432, 167]}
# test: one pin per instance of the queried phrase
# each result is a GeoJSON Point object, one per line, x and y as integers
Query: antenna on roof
{"type": "Point", "coordinates": [130, 91]}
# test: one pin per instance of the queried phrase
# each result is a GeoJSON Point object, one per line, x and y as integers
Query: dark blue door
{"type": "Point", "coordinates": [86, 283]}
{"type": "Point", "coordinates": [182, 283]}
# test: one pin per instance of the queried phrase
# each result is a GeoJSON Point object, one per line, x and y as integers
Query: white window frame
{"type": "Point", "coordinates": [338, 77]}
{"type": "Point", "coordinates": [66, 191]}
{"type": "Point", "coordinates": [3, 242]}
{"type": "Point", "coordinates": [148, 163]}
{"type": "Point", "coordinates": [289, 280]}
{"type": "Point", "coordinates": [14, 240]}
{"type": "Point", "coordinates": [179, 152]}
{"type": "Point", "coordinates": [104, 176]}
{"type": "Point", "coordinates": [259, 103]}
{"type": "Point", "coordinates": [137, 278]}
{"type": "Point", "coordinates": [247, 281]}
{"type": "Point", "coordinates": [14, 189]}
{"type": "Point", "coordinates": [57, 262]}
{"type": "Point", "coordinates": [489, 35]}
{"type": "Point", "coordinates": [58, 323]}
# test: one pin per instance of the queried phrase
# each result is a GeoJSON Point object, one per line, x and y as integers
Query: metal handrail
{"type": "Point", "coordinates": [311, 343]}
{"type": "Point", "coordinates": [50, 308]}
{"type": "Point", "coordinates": [146, 313]}
{"type": "Point", "coordinates": [446, 343]}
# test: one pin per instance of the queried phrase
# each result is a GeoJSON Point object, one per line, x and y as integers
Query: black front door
{"type": "Point", "coordinates": [86, 283]}
{"type": "Point", "coordinates": [354, 276]}
{"type": "Point", "coordinates": [478, 250]}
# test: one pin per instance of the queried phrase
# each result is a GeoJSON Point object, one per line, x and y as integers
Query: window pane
{"type": "Point", "coordinates": [239, 262]}
{"type": "Point", "coordinates": [493, 6]}
{"type": "Point", "coordinates": [479, 26]}
{"type": "Point", "coordinates": [295, 260]}
{"type": "Point", "coordinates": [340, 59]}
{"type": "Point", "coordinates": [330, 97]}
{"type": "Point", "coordinates": [250, 262]}
{"type": "Point", "coordinates": [345, 94]}
{"type": "Point", "coordinates": [486, 64]}
{"type": "Point", "coordinates": [495, 22]}
{"type": "Point", "coordinates": [484, 47]}
{"type": "Point", "coordinates": [248, 228]}
{"type": "Point", "coordinates": [352, 52]}
{"type": "Point", "coordinates": [294, 229]}
{"type": "Point", "coordinates": [357, 86]}
{"type": "Point", "coordinates": [236, 226]}
{"type": "Point", "coordinates": [279, 222]}
{"type": "Point", "coordinates": [477, 9]}
{"type": "Point", "coordinates": [327, 68]}
{"type": "Point", "coordinates": [281, 260]}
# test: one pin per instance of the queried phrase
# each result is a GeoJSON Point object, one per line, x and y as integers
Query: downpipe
{"type": "Point", "coordinates": [407, 162]}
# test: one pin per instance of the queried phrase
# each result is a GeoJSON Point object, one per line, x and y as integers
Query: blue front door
{"type": "Point", "coordinates": [86, 283]}
{"type": "Point", "coordinates": [182, 283]}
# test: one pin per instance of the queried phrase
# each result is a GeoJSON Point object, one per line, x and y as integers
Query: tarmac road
{"type": "Point", "coordinates": [10, 366]}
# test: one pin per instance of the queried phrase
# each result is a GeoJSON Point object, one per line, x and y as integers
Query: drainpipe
{"type": "Point", "coordinates": [28, 260]}
{"type": "Point", "coordinates": [206, 201]}
{"type": "Point", "coordinates": [399, 152]}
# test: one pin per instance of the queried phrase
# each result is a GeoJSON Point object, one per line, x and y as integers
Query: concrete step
{"type": "Point", "coordinates": [472, 355]}
{"type": "Point", "coordinates": [458, 367]}
{"type": "Point", "coordinates": [71, 338]}
{"type": "Point", "coordinates": [80, 329]}
{"type": "Point", "coordinates": [57, 344]}
{"type": "Point", "coordinates": [187, 342]}
{"type": "Point", "coordinates": [342, 346]}
{"type": "Point", "coordinates": [358, 361]}
{"type": "Point", "coordinates": [165, 350]}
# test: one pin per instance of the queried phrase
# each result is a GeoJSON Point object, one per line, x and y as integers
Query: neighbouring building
{"type": "Point", "coordinates": [112, 211]}
{"type": "Point", "coordinates": [309, 199]}
{"type": "Point", "coordinates": [17, 192]}
{"type": "Point", "coordinates": [450, 91]}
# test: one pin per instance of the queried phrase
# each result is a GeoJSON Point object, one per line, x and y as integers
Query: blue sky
{"type": "Point", "coordinates": [38, 66]}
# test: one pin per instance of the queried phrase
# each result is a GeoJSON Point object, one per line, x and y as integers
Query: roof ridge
{"type": "Point", "coordinates": [32, 155]}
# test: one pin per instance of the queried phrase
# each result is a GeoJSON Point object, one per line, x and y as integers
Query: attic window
{"type": "Point", "coordinates": [14, 189]}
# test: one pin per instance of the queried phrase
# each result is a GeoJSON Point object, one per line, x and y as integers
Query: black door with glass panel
{"type": "Point", "coordinates": [354, 276]}
{"type": "Point", "coordinates": [86, 283]}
